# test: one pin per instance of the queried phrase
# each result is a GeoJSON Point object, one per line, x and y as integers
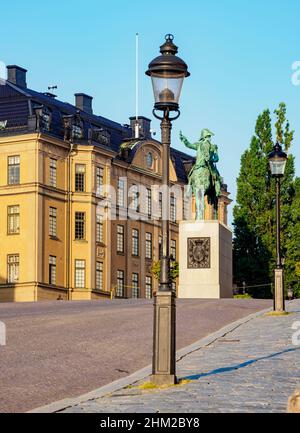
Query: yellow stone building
{"type": "Point", "coordinates": [80, 216]}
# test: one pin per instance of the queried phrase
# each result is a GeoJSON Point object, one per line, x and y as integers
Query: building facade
{"type": "Point", "coordinates": [81, 199]}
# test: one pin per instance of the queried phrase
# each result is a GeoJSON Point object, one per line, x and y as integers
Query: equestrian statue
{"type": "Point", "coordinates": [204, 177]}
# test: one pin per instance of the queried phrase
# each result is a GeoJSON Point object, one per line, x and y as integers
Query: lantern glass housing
{"type": "Point", "coordinates": [167, 73]}
{"type": "Point", "coordinates": [277, 161]}
{"type": "Point", "coordinates": [167, 88]}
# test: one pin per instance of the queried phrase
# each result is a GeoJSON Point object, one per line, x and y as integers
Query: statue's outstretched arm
{"type": "Point", "coordinates": [186, 142]}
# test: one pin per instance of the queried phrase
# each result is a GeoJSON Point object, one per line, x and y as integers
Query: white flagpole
{"type": "Point", "coordinates": [136, 131]}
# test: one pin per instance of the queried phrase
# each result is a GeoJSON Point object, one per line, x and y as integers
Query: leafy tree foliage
{"type": "Point", "coordinates": [254, 214]}
{"type": "Point", "coordinates": [174, 270]}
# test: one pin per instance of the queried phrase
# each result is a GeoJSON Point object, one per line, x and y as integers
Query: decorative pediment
{"type": "Point", "coordinates": [148, 156]}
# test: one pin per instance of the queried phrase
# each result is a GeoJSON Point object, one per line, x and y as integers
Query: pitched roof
{"type": "Point", "coordinates": [17, 104]}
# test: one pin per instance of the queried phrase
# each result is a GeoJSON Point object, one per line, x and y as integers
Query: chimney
{"type": "Point", "coordinates": [144, 126]}
{"type": "Point", "coordinates": [17, 75]}
{"type": "Point", "coordinates": [84, 102]}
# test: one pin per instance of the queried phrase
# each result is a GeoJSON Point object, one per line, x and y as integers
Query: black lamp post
{"type": "Point", "coordinates": [277, 161]}
{"type": "Point", "coordinates": [167, 72]}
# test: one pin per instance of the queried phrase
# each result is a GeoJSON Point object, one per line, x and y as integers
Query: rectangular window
{"type": "Point", "coordinates": [99, 181]}
{"type": "Point", "coordinates": [121, 192]}
{"type": "Point", "coordinates": [13, 220]}
{"type": "Point", "coordinates": [148, 292]}
{"type": "Point", "coordinates": [160, 205]}
{"type": "Point", "coordinates": [173, 208]}
{"type": "Point", "coordinates": [135, 198]}
{"type": "Point", "coordinates": [13, 171]}
{"type": "Point", "coordinates": [120, 284]}
{"type": "Point", "coordinates": [185, 207]}
{"type": "Point", "coordinates": [52, 270]}
{"type": "Point", "coordinates": [80, 177]}
{"type": "Point", "coordinates": [173, 249]}
{"type": "Point", "coordinates": [135, 242]}
{"type": "Point", "coordinates": [13, 268]}
{"type": "Point", "coordinates": [99, 228]}
{"type": "Point", "coordinates": [53, 172]}
{"type": "Point", "coordinates": [80, 274]}
{"type": "Point", "coordinates": [135, 285]}
{"type": "Point", "coordinates": [53, 222]}
{"type": "Point", "coordinates": [120, 239]}
{"type": "Point", "coordinates": [79, 225]}
{"type": "Point", "coordinates": [149, 202]}
{"type": "Point", "coordinates": [148, 246]}
{"type": "Point", "coordinates": [99, 276]}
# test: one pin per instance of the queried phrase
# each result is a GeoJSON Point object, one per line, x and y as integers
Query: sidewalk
{"type": "Point", "coordinates": [252, 368]}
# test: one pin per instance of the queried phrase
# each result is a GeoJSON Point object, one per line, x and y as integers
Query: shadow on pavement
{"type": "Point", "coordinates": [238, 366]}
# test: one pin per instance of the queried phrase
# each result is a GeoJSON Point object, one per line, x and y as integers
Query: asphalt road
{"type": "Point", "coordinates": [62, 349]}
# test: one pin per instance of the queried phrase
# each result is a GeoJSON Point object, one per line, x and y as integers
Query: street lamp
{"type": "Point", "coordinates": [277, 161]}
{"type": "Point", "coordinates": [167, 72]}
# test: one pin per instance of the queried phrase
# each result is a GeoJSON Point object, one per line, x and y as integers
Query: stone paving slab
{"type": "Point", "coordinates": [254, 367]}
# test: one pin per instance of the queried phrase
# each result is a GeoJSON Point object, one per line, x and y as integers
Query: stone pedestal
{"type": "Point", "coordinates": [205, 260]}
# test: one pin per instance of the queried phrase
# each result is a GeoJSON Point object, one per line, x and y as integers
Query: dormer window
{"type": "Point", "coordinates": [77, 127]}
{"type": "Point", "coordinates": [3, 124]}
{"type": "Point", "coordinates": [43, 118]}
{"type": "Point", "coordinates": [73, 127]}
{"type": "Point", "coordinates": [77, 132]}
{"type": "Point", "coordinates": [100, 135]}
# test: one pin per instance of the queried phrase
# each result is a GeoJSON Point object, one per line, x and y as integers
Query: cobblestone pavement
{"type": "Point", "coordinates": [254, 368]}
{"type": "Point", "coordinates": [57, 350]}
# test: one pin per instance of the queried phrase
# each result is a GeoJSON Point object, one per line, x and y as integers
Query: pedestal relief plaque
{"type": "Point", "coordinates": [198, 253]}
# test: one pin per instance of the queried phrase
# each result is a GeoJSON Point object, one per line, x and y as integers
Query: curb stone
{"type": "Point", "coordinates": [139, 375]}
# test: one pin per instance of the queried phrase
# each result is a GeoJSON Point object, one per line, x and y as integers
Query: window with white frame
{"type": "Point", "coordinates": [99, 228]}
{"type": "Point", "coordinates": [135, 285]}
{"type": "Point", "coordinates": [121, 193]}
{"type": "Point", "coordinates": [120, 284]}
{"type": "Point", "coordinates": [135, 198]}
{"type": "Point", "coordinates": [148, 292]}
{"type": "Point", "coordinates": [148, 252]}
{"type": "Point", "coordinates": [53, 172]}
{"type": "Point", "coordinates": [13, 268]}
{"type": "Point", "coordinates": [52, 270]}
{"type": "Point", "coordinates": [80, 274]}
{"type": "Point", "coordinates": [173, 208]}
{"type": "Point", "coordinates": [135, 242]}
{"type": "Point", "coordinates": [13, 170]}
{"type": "Point", "coordinates": [120, 239]}
{"type": "Point", "coordinates": [52, 221]}
{"type": "Point", "coordinates": [79, 177]}
{"type": "Point", "coordinates": [99, 181]}
{"type": "Point", "coordinates": [13, 220]}
{"type": "Point", "coordinates": [173, 249]}
{"type": "Point", "coordinates": [149, 202]}
{"type": "Point", "coordinates": [160, 204]}
{"type": "Point", "coordinates": [99, 276]}
{"type": "Point", "coordinates": [79, 225]}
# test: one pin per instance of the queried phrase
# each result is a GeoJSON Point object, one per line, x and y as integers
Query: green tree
{"type": "Point", "coordinates": [254, 215]}
{"type": "Point", "coordinates": [174, 270]}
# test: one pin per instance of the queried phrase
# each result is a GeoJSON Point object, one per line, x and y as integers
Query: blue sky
{"type": "Point", "coordinates": [240, 56]}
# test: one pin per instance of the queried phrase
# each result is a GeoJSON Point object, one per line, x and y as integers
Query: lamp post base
{"type": "Point", "coordinates": [279, 304]}
{"type": "Point", "coordinates": [163, 379]}
{"type": "Point", "coordinates": [164, 352]}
